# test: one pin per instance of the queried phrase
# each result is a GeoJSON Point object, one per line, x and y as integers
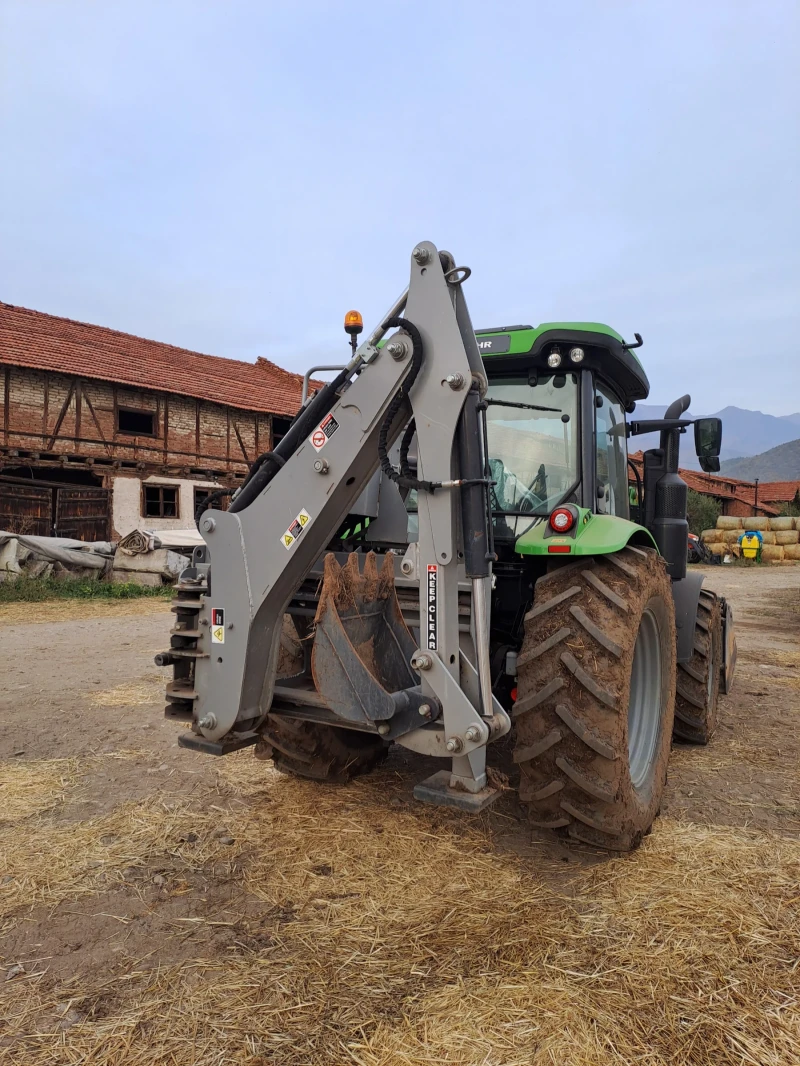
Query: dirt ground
{"type": "Point", "coordinates": [157, 906]}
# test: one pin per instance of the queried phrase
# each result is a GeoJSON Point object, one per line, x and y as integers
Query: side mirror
{"type": "Point", "coordinates": [708, 443]}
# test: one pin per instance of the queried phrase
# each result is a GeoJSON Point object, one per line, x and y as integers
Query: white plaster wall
{"type": "Point", "coordinates": [127, 503]}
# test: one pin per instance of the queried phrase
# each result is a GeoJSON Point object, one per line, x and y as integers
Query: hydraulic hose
{"type": "Point", "coordinates": [403, 477]}
{"type": "Point", "coordinates": [405, 444]}
{"type": "Point", "coordinates": [267, 465]}
{"type": "Point", "coordinates": [218, 494]}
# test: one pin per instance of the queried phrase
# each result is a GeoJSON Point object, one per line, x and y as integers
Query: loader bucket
{"type": "Point", "coordinates": [362, 648]}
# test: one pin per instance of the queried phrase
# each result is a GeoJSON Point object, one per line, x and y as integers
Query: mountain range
{"type": "Point", "coordinates": [745, 435]}
{"type": "Point", "coordinates": [777, 464]}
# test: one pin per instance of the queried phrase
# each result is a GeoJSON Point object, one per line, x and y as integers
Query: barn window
{"type": "Point", "coordinates": [160, 501]}
{"type": "Point", "coordinates": [137, 423]}
{"type": "Point", "coordinates": [280, 427]}
{"type": "Point", "coordinates": [200, 497]}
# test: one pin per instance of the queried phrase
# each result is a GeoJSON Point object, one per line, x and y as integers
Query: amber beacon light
{"type": "Point", "coordinates": [353, 325]}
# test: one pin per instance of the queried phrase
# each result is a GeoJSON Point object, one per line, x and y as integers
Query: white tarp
{"type": "Point", "coordinates": [70, 553]}
{"type": "Point", "coordinates": [139, 541]}
{"type": "Point", "coordinates": [142, 551]}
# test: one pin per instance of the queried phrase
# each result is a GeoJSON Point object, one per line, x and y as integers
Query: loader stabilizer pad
{"type": "Point", "coordinates": [216, 747]}
{"type": "Point", "coordinates": [437, 790]}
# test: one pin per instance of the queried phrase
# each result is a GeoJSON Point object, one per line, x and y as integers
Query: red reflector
{"type": "Point", "coordinates": [559, 549]}
{"type": "Point", "coordinates": [514, 694]}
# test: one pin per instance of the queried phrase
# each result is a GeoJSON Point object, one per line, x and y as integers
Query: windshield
{"type": "Point", "coordinates": [533, 443]}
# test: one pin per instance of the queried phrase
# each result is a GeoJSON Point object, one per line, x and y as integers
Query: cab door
{"type": "Point", "coordinates": [611, 454]}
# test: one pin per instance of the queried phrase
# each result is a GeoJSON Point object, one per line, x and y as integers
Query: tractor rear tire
{"type": "Point", "coordinates": [309, 749]}
{"type": "Point", "coordinates": [596, 696]}
{"type": "Point", "coordinates": [697, 691]}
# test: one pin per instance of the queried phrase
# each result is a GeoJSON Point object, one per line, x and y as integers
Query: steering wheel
{"type": "Point", "coordinates": [525, 501]}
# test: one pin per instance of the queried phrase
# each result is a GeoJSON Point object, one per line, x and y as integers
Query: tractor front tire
{"type": "Point", "coordinates": [309, 749]}
{"type": "Point", "coordinates": [320, 752]}
{"type": "Point", "coordinates": [596, 696]}
{"type": "Point", "coordinates": [697, 692]}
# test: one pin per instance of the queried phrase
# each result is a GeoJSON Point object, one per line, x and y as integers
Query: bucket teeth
{"type": "Point", "coordinates": [351, 590]}
{"type": "Point", "coordinates": [362, 648]}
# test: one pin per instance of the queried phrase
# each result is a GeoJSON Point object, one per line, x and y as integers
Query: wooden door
{"type": "Point", "coordinates": [82, 512]}
{"type": "Point", "coordinates": [26, 508]}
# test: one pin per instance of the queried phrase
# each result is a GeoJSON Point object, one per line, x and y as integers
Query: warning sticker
{"type": "Point", "coordinates": [431, 627]}
{"type": "Point", "coordinates": [217, 625]}
{"type": "Point", "coordinates": [295, 529]}
{"type": "Point", "coordinates": [324, 431]}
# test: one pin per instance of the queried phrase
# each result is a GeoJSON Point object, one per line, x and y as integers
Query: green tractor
{"type": "Point", "coordinates": [520, 588]}
{"type": "Point", "coordinates": [599, 631]}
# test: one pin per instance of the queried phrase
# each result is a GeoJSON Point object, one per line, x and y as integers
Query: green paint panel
{"type": "Point", "coordinates": [598, 534]}
{"type": "Point", "coordinates": [522, 340]}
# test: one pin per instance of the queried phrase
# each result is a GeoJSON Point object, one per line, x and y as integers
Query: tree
{"type": "Point", "coordinates": [702, 511]}
{"type": "Point", "coordinates": [792, 507]}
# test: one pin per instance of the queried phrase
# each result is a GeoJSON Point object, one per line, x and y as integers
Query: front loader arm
{"type": "Point", "coordinates": [258, 555]}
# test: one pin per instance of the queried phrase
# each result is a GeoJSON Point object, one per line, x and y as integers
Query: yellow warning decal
{"type": "Point", "coordinates": [295, 529]}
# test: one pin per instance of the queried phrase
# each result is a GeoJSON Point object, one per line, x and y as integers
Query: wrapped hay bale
{"type": "Point", "coordinates": [768, 538]}
{"type": "Point", "coordinates": [729, 522]}
{"type": "Point", "coordinates": [792, 552]}
{"type": "Point", "coordinates": [718, 548]}
{"type": "Point", "coordinates": [712, 536]}
{"type": "Point", "coordinates": [772, 553]}
{"type": "Point", "coordinates": [796, 523]}
{"type": "Point", "coordinates": [756, 522]}
{"type": "Point", "coordinates": [781, 523]}
{"type": "Point", "coordinates": [730, 536]}
{"type": "Point", "coordinates": [787, 536]}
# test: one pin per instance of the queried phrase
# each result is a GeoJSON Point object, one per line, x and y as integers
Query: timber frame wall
{"type": "Point", "coordinates": [54, 420]}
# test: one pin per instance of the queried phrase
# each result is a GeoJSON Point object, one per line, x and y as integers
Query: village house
{"type": "Point", "coordinates": [742, 499]}
{"type": "Point", "coordinates": [102, 432]}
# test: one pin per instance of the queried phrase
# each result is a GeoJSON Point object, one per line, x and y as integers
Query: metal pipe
{"type": "Point", "coordinates": [480, 613]}
{"type": "Point", "coordinates": [367, 349]}
{"type": "Point", "coordinates": [307, 379]}
{"type": "Point", "coordinates": [364, 352]}
{"type": "Point", "coordinates": [398, 306]}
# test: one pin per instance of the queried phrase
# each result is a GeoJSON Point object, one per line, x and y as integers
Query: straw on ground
{"type": "Point", "coordinates": [379, 935]}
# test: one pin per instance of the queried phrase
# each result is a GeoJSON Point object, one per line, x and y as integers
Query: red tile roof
{"type": "Point", "coordinates": [45, 342]}
{"type": "Point", "coordinates": [778, 491]}
{"type": "Point", "coordinates": [724, 488]}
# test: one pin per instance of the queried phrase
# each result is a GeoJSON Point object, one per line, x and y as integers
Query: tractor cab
{"type": "Point", "coordinates": [556, 431]}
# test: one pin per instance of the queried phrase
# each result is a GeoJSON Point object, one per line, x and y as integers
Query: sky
{"type": "Point", "coordinates": [232, 176]}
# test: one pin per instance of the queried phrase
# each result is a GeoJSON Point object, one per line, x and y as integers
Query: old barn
{"type": "Point", "coordinates": [102, 432]}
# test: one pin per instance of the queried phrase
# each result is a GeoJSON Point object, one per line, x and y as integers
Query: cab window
{"type": "Point", "coordinates": [611, 455]}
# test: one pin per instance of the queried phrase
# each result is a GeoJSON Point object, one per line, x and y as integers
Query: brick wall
{"type": "Point", "coordinates": [51, 413]}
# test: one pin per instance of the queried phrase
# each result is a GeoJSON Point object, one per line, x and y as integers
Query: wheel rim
{"type": "Point", "coordinates": [644, 706]}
